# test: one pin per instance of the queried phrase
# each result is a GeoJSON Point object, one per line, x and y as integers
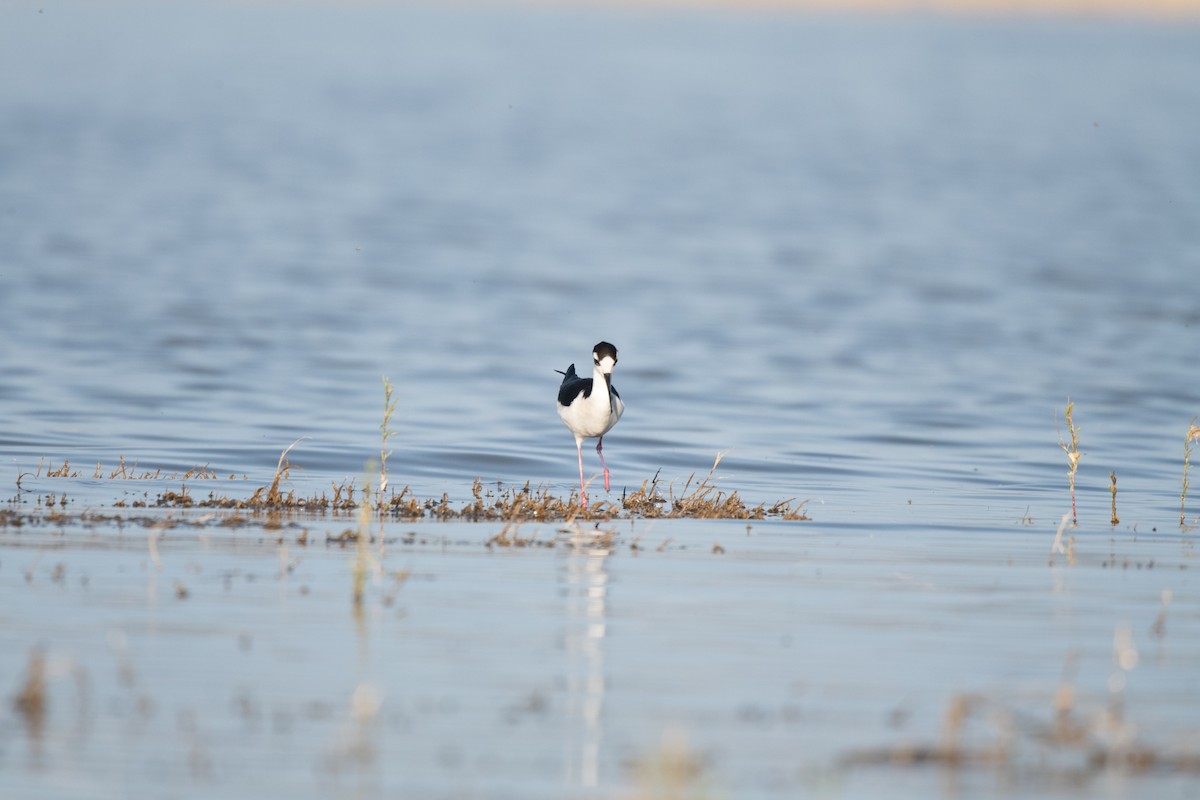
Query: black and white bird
{"type": "Point", "coordinates": [591, 406]}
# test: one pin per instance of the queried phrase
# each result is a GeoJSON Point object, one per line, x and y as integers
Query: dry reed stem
{"type": "Point", "coordinates": [1112, 476]}
{"type": "Point", "coordinates": [1073, 454]}
{"type": "Point", "coordinates": [389, 408]}
{"type": "Point", "coordinates": [1193, 435]}
{"type": "Point", "coordinates": [273, 496]}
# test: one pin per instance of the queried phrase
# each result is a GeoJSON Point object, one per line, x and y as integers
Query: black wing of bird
{"type": "Point", "coordinates": [572, 385]}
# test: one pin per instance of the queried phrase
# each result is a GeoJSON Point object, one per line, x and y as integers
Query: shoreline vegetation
{"type": "Point", "coordinates": [375, 499]}
{"type": "Point", "coordinates": [698, 498]}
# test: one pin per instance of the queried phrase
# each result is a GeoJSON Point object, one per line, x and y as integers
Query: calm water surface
{"type": "Point", "coordinates": [239, 668]}
{"type": "Point", "coordinates": [869, 257]}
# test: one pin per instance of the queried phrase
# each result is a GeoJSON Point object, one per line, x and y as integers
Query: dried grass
{"type": "Point", "coordinates": [1112, 477]}
{"type": "Point", "coordinates": [1193, 435]}
{"type": "Point", "coordinates": [30, 702]}
{"type": "Point", "coordinates": [1069, 742]}
{"type": "Point", "coordinates": [674, 771]}
{"type": "Point", "coordinates": [699, 498]}
{"type": "Point", "coordinates": [704, 500]}
{"type": "Point", "coordinates": [1073, 454]}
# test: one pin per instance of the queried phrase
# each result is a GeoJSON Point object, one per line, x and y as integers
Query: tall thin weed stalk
{"type": "Point", "coordinates": [1112, 476]}
{"type": "Point", "coordinates": [389, 408]}
{"type": "Point", "coordinates": [1072, 451]}
{"type": "Point", "coordinates": [1193, 435]}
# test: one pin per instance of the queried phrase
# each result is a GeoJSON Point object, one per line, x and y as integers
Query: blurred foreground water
{"type": "Point", "coordinates": [699, 658]}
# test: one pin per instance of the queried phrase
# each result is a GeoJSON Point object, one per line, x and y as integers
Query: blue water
{"type": "Point", "coordinates": [553, 672]}
{"type": "Point", "coordinates": [871, 257]}
{"type": "Point", "coordinates": [868, 257]}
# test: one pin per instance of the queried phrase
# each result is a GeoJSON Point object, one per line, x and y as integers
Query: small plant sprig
{"type": "Point", "coordinates": [389, 408]}
{"type": "Point", "coordinates": [1112, 476]}
{"type": "Point", "coordinates": [1193, 435]}
{"type": "Point", "coordinates": [273, 496]}
{"type": "Point", "coordinates": [1073, 454]}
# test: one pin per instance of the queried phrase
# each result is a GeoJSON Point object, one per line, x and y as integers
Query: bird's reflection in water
{"type": "Point", "coordinates": [585, 577]}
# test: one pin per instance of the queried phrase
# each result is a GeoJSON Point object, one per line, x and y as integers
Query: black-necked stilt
{"type": "Point", "coordinates": [591, 406]}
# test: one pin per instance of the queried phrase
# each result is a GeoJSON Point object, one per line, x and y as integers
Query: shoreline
{"type": "Point", "coordinates": [1150, 9]}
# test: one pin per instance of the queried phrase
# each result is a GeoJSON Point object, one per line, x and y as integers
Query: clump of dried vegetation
{"type": "Point", "coordinates": [673, 771]}
{"type": "Point", "coordinates": [697, 499]}
{"type": "Point", "coordinates": [704, 500]}
{"type": "Point", "coordinates": [1068, 742]}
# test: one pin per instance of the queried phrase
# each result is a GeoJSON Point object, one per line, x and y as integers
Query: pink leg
{"type": "Point", "coordinates": [582, 493]}
{"type": "Point", "coordinates": [600, 452]}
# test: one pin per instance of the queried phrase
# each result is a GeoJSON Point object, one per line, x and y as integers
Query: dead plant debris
{"type": "Point", "coordinates": [697, 499]}
{"type": "Point", "coordinates": [979, 732]}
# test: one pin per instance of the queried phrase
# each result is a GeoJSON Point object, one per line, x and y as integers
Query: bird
{"type": "Point", "coordinates": [590, 407]}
